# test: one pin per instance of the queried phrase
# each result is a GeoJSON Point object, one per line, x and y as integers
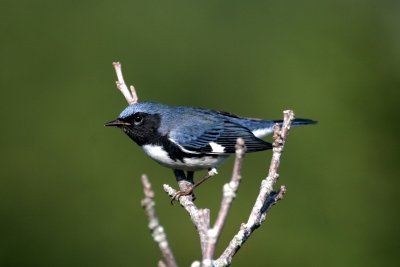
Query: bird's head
{"type": "Point", "coordinates": [140, 121]}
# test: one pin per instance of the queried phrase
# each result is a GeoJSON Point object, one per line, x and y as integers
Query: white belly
{"type": "Point", "coordinates": [188, 164]}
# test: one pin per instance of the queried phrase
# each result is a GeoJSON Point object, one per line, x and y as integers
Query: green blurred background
{"type": "Point", "coordinates": [70, 189]}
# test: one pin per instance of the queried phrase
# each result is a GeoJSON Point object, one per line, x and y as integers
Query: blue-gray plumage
{"type": "Point", "coordinates": [191, 139]}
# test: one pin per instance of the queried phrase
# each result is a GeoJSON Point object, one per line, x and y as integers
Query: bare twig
{"type": "Point", "coordinates": [130, 95]}
{"type": "Point", "coordinates": [267, 184]}
{"type": "Point", "coordinates": [229, 194]}
{"type": "Point", "coordinates": [157, 231]}
{"type": "Point", "coordinates": [199, 217]}
{"type": "Point", "coordinates": [266, 197]}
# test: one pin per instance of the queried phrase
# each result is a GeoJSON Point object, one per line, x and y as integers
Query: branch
{"type": "Point", "coordinates": [229, 194]}
{"type": "Point", "coordinates": [157, 231]}
{"type": "Point", "coordinates": [266, 197]}
{"type": "Point", "coordinates": [200, 217]}
{"type": "Point", "coordinates": [130, 95]}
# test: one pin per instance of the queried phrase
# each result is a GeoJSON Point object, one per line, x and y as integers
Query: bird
{"type": "Point", "coordinates": [189, 139]}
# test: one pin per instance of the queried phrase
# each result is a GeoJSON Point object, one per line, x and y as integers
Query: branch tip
{"type": "Point", "coordinates": [129, 94]}
{"type": "Point", "coordinates": [156, 229]}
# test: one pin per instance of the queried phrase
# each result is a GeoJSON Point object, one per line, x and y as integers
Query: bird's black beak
{"type": "Point", "coordinates": [117, 123]}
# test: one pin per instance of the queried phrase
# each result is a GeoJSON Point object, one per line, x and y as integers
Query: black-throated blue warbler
{"type": "Point", "coordinates": [192, 139]}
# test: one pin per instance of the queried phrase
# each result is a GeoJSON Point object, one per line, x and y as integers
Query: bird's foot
{"type": "Point", "coordinates": [187, 192]}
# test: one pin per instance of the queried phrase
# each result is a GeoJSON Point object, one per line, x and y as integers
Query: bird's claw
{"type": "Point", "coordinates": [179, 194]}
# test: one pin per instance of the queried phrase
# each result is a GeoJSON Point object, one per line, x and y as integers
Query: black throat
{"type": "Point", "coordinates": [145, 133]}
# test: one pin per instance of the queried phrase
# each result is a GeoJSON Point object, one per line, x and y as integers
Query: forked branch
{"type": "Point", "coordinates": [266, 197]}
{"type": "Point", "coordinates": [129, 94]}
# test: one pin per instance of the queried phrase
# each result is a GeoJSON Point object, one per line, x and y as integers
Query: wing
{"type": "Point", "coordinates": [220, 138]}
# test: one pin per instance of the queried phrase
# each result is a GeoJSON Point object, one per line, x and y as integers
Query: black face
{"type": "Point", "coordinates": [140, 127]}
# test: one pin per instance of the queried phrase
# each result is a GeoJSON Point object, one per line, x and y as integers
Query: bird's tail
{"type": "Point", "coordinates": [261, 128]}
{"type": "Point", "coordinates": [297, 122]}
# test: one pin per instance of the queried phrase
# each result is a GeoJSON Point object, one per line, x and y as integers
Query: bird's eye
{"type": "Point", "coordinates": [138, 119]}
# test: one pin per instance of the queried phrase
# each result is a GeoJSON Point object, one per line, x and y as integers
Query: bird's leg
{"type": "Point", "coordinates": [189, 190]}
{"type": "Point", "coordinates": [180, 175]}
{"type": "Point", "coordinates": [184, 182]}
{"type": "Point", "coordinates": [190, 176]}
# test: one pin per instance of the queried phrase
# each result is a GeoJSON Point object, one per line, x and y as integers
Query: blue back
{"type": "Point", "coordinates": [195, 121]}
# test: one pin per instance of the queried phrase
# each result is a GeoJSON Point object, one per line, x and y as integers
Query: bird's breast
{"type": "Point", "coordinates": [184, 161]}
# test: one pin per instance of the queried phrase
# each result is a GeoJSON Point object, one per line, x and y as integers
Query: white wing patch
{"type": "Point", "coordinates": [263, 132]}
{"type": "Point", "coordinates": [216, 148]}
